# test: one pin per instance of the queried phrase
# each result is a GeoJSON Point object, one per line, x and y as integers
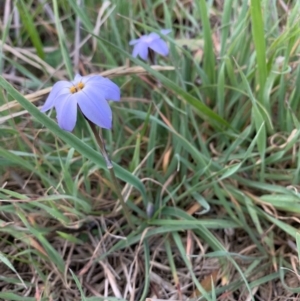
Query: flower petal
{"type": "Point", "coordinates": [153, 36]}
{"type": "Point", "coordinates": [133, 42]}
{"type": "Point", "coordinates": [95, 108]}
{"type": "Point", "coordinates": [78, 78]}
{"type": "Point", "coordinates": [60, 88]}
{"type": "Point", "coordinates": [160, 47]}
{"type": "Point", "coordinates": [140, 49]}
{"type": "Point", "coordinates": [104, 86]}
{"type": "Point", "coordinates": [67, 112]}
{"type": "Point", "coordinates": [165, 31]}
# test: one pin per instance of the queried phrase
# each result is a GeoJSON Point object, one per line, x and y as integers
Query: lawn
{"type": "Point", "coordinates": [192, 192]}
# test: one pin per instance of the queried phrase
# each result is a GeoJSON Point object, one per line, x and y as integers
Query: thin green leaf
{"type": "Point", "coordinates": [259, 42]}
{"type": "Point", "coordinates": [28, 23]}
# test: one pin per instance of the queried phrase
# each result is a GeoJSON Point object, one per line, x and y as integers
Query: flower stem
{"type": "Point", "coordinates": [110, 167]}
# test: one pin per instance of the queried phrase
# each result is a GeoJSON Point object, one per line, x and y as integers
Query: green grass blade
{"type": "Point", "coordinates": [5, 261]}
{"type": "Point", "coordinates": [83, 298]}
{"type": "Point", "coordinates": [209, 61]}
{"type": "Point", "coordinates": [259, 42]}
{"type": "Point", "coordinates": [27, 20]}
{"type": "Point", "coordinates": [62, 39]}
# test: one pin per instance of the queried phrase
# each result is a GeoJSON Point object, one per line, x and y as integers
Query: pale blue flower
{"type": "Point", "coordinates": [152, 41]}
{"type": "Point", "coordinates": [90, 94]}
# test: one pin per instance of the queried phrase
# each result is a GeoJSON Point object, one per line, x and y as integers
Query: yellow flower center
{"type": "Point", "coordinates": [77, 87]}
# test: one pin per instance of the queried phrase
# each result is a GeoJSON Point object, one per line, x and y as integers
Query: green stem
{"type": "Point", "coordinates": [112, 173]}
